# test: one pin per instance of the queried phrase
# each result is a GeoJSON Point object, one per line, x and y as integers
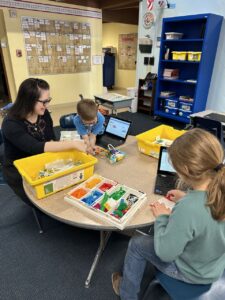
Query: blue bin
{"type": "Point", "coordinates": [171, 103]}
{"type": "Point", "coordinates": [171, 110]}
{"type": "Point", "coordinates": [184, 113]}
{"type": "Point", "coordinates": [185, 106]}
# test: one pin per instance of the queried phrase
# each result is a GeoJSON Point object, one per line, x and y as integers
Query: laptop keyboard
{"type": "Point", "coordinates": [164, 184]}
{"type": "Point", "coordinates": [110, 140]}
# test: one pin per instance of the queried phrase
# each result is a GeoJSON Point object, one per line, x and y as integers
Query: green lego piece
{"type": "Point", "coordinates": [104, 200]}
{"type": "Point", "coordinates": [118, 194]}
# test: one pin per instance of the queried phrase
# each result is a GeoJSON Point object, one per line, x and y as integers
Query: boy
{"type": "Point", "coordinates": [89, 122]}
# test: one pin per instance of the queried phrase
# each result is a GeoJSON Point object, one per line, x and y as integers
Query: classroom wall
{"type": "Point", "coordinates": [110, 37]}
{"type": "Point", "coordinates": [216, 97]}
{"type": "Point", "coordinates": [6, 57]}
{"type": "Point", "coordinates": [65, 88]}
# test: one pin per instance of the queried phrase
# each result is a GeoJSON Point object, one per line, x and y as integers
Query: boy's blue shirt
{"type": "Point", "coordinates": [84, 129]}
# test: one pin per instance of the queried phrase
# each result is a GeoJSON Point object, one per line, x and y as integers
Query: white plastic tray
{"type": "Point", "coordinates": [90, 209]}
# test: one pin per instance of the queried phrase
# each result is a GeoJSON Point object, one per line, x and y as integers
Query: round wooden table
{"type": "Point", "coordinates": [137, 171]}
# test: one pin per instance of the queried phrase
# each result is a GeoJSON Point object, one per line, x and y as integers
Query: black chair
{"type": "Point", "coordinates": [214, 127]}
{"type": "Point", "coordinates": [66, 121]}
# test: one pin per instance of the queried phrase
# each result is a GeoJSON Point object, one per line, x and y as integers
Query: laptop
{"type": "Point", "coordinates": [116, 133]}
{"type": "Point", "coordinates": [166, 175]}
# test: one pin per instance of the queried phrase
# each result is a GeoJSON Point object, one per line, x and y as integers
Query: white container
{"type": "Point", "coordinates": [173, 35]}
{"type": "Point", "coordinates": [132, 92]}
{"type": "Point", "coordinates": [107, 216]}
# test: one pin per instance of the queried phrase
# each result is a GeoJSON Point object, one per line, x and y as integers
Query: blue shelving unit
{"type": "Point", "coordinates": [200, 34]}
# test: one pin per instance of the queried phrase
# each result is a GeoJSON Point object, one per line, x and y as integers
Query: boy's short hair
{"type": "Point", "coordinates": [87, 109]}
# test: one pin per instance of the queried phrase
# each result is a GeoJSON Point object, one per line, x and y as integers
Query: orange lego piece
{"type": "Point", "coordinates": [79, 193]}
{"type": "Point", "coordinates": [92, 183]}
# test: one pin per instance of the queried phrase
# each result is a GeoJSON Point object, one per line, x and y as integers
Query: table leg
{"type": "Point", "coordinates": [104, 236]}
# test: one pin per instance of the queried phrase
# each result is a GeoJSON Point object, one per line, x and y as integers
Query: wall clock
{"type": "Point", "coordinates": [148, 20]}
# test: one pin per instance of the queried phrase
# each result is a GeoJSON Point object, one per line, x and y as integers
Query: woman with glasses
{"type": "Point", "coordinates": [28, 130]}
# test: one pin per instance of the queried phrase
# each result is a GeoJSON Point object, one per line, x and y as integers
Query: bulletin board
{"type": "Point", "coordinates": [56, 47]}
{"type": "Point", "coordinates": [127, 52]}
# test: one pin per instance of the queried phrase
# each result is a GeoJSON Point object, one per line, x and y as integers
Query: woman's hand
{"type": "Point", "coordinates": [80, 145]}
{"type": "Point", "coordinates": [175, 195]}
{"type": "Point", "coordinates": [159, 209]}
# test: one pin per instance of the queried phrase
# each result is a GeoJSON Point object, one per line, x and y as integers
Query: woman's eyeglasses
{"type": "Point", "coordinates": [44, 102]}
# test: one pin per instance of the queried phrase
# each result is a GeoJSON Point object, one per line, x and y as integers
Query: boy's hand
{"type": "Point", "coordinates": [90, 150]}
{"type": "Point", "coordinates": [159, 209]}
{"type": "Point", "coordinates": [175, 195]}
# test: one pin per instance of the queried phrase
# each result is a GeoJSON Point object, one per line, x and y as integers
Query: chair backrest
{"type": "Point", "coordinates": [66, 121]}
{"type": "Point", "coordinates": [212, 126]}
{"type": "Point", "coordinates": [180, 290]}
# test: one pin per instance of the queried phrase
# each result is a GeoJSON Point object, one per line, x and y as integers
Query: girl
{"type": "Point", "coordinates": [28, 130]}
{"type": "Point", "coordinates": [189, 242]}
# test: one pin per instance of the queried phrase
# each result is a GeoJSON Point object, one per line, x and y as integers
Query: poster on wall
{"type": "Point", "coordinates": [56, 46]}
{"type": "Point", "coordinates": [127, 52]}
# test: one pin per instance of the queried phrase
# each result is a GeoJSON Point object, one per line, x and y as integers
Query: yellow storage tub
{"type": "Point", "coordinates": [179, 55]}
{"type": "Point", "coordinates": [146, 140]}
{"type": "Point", "coordinates": [29, 168]}
{"type": "Point", "coordinates": [194, 56]}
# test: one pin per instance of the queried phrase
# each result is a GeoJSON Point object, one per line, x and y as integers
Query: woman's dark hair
{"type": "Point", "coordinates": [29, 92]}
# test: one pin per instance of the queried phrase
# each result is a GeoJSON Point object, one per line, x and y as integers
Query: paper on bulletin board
{"type": "Point", "coordinates": [96, 59]}
{"type": "Point", "coordinates": [127, 51]}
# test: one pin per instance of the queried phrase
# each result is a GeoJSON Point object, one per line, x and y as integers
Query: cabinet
{"type": "Point", "coordinates": [146, 95]}
{"type": "Point", "coordinates": [177, 98]}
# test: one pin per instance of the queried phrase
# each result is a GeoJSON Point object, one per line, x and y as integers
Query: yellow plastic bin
{"type": "Point", "coordinates": [146, 140]}
{"type": "Point", "coordinates": [179, 55]}
{"type": "Point", "coordinates": [29, 168]}
{"type": "Point", "coordinates": [194, 56]}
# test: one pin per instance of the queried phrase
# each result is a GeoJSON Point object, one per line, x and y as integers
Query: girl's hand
{"type": "Point", "coordinates": [175, 195]}
{"type": "Point", "coordinates": [159, 209]}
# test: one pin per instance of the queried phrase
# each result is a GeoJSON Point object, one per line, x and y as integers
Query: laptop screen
{"type": "Point", "coordinates": [164, 164]}
{"type": "Point", "coordinates": [118, 127]}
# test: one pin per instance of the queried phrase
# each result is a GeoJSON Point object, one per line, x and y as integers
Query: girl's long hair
{"type": "Point", "coordinates": [195, 156]}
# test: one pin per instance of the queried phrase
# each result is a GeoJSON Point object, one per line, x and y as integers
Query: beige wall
{"type": "Point", "coordinates": [65, 88]}
{"type": "Point", "coordinates": [110, 37]}
{"type": "Point", "coordinates": [6, 57]}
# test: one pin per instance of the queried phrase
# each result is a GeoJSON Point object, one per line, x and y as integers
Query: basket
{"type": "Point", "coordinates": [185, 106]}
{"type": "Point", "coordinates": [171, 110]}
{"type": "Point", "coordinates": [179, 55]}
{"type": "Point", "coordinates": [29, 168]}
{"type": "Point", "coordinates": [184, 113]}
{"type": "Point", "coordinates": [146, 139]}
{"type": "Point", "coordinates": [194, 56]}
{"type": "Point", "coordinates": [171, 103]}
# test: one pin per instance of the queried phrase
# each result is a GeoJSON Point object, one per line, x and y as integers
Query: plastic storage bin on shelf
{"type": "Point", "coordinates": [194, 56]}
{"type": "Point", "coordinates": [184, 113]}
{"type": "Point", "coordinates": [171, 110]}
{"type": "Point", "coordinates": [185, 106]}
{"type": "Point", "coordinates": [179, 55]}
{"type": "Point", "coordinates": [30, 167]}
{"type": "Point", "coordinates": [173, 35]}
{"type": "Point", "coordinates": [171, 103]}
{"type": "Point", "coordinates": [146, 140]}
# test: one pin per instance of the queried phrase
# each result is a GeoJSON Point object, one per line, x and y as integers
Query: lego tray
{"type": "Point", "coordinates": [106, 199]}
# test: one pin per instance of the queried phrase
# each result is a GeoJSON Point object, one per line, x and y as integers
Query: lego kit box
{"type": "Point", "coordinates": [107, 200]}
